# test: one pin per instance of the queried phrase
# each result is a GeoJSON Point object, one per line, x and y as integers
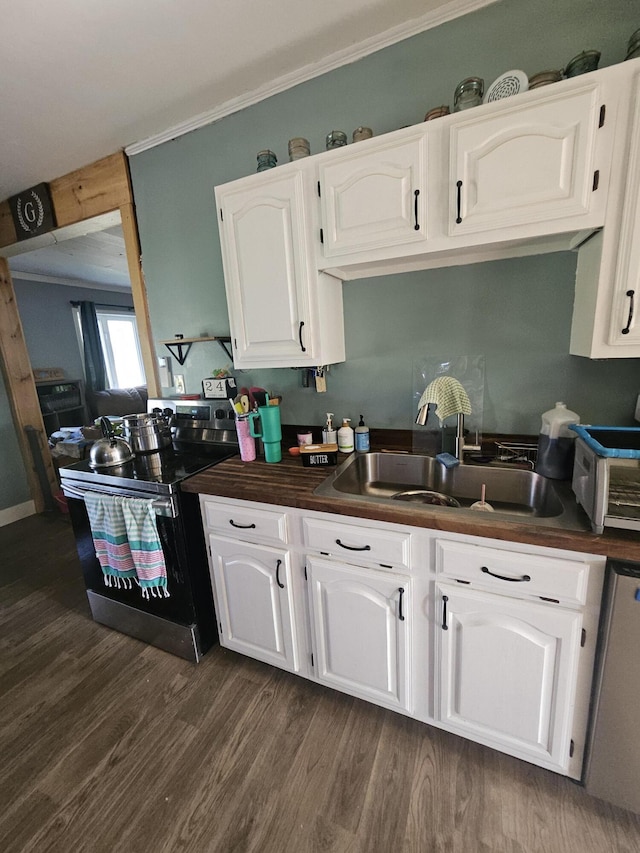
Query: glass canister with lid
{"type": "Point", "coordinates": [336, 139]}
{"type": "Point", "coordinates": [468, 94]}
{"type": "Point", "coordinates": [266, 160]}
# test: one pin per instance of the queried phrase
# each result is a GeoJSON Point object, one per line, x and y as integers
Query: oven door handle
{"type": "Point", "coordinates": [162, 506]}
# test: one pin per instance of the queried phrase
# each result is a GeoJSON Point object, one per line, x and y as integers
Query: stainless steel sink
{"type": "Point", "coordinates": [422, 480]}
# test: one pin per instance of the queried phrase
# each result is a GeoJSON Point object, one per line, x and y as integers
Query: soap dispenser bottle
{"type": "Point", "coordinates": [345, 437]}
{"type": "Point", "coordinates": [362, 436]}
{"type": "Point", "coordinates": [329, 434]}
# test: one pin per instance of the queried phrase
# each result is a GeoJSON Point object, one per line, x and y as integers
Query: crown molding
{"type": "Point", "coordinates": [40, 278]}
{"type": "Point", "coordinates": [452, 10]}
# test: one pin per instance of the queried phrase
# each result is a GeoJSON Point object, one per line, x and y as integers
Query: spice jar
{"type": "Point", "coordinates": [298, 147]}
{"type": "Point", "coordinates": [361, 133]}
{"type": "Point", "coordinates": [336, 139]}
{"type": "Point", "coordinates": [266, 160]}
{"type": "Point", "coordinates": [468, 94]}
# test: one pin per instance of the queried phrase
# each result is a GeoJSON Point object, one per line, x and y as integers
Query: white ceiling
{"type": "Point", "coordinates": [82, 79]}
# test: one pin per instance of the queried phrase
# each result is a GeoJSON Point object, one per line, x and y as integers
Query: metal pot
{"type": "Point", "coordinates": [109, 451]}
{"type": "Point", "coordinates": [147, 433]}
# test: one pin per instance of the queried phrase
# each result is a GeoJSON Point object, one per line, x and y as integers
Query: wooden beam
{"type": "Point", "coordinates": [94, 190]}
{"type": "Point", "coordinates": [91, 191]}
{"type": "Point", "coordinates": [21, 388]}
{"type": "Point", "coordinates": [140, 303]}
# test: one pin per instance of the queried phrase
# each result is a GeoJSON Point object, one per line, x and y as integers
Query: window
{"type": "Point", "coordinates": [121, 348]}
{"type": "Point", "coordinates": [120, 345]}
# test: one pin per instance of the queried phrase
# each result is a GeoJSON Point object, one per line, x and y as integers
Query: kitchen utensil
{"type": "Point", "coordinates": [109, 451]}
{"type": "Point", "coordinates": [507, 84]}
{"type": "Point", "coordinates": [482, 505]}
{"type": "Point", "coordinates": [258, 396]}
{"type": "Point", "coordinates": [147, 433]}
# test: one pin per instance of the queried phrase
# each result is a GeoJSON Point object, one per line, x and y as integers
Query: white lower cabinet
{"type": "Point", "coordinates": [490, 641]}
{"type": "Point", "coordinates": [254, 601]}
{"type": "Point", "coordinates": [361, 620]}
{"type": "Point", "coordinates": [507, 673]}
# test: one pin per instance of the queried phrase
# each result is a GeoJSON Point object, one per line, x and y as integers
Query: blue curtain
{"type": "Point", "coordinates": [95, 368]}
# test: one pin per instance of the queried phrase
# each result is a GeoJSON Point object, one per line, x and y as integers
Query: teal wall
{"type": "Point", "coordinates": [47, 321]}
{"type": "Point", "coordinates": [516, 313]}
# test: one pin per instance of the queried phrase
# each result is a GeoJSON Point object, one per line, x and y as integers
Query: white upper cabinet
{"type": "Point", "coordinates": [374, 194]}
{"type": "Point", "coordinates": [624, 326]}
{"type": "Point", "coordinates": [282, 312]}
{"type": "Point", "coordinates": [606, 320]}
{"type": "Point", "coordinates": [529, 162]}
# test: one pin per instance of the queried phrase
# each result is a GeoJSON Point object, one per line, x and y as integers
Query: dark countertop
{"type": "Point", "coordinates": [288, 483]}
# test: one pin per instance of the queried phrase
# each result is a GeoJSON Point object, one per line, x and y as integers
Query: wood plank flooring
{"type": "Point", "coordinates": [109, 745]}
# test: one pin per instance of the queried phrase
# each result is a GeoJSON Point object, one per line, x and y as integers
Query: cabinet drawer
{"type": "Point", "coordinates": [513, 573]}
{"type": "Point", "coordinates": [246, 522]}
{"type": "Point", "coordinates": [386, 548]}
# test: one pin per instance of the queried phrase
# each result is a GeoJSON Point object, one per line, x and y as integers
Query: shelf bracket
{"type": "Point", "coordinates": [179, 347]}
{"type": "Point", "coordinates": [181, 350]}
{"type": "Point", "coordinates": [223, 343]}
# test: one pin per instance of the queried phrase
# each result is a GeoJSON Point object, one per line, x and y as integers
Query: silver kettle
{"type": "Point", "coordinates": [109, 451]}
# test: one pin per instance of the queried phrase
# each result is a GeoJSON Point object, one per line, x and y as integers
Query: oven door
{"type": "Point", "coordinates": [184, 623]}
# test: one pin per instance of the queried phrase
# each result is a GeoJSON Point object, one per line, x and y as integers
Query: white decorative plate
{"type": "Point", "coordinates": [507, 84]}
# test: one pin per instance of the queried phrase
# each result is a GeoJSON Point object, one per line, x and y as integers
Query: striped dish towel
{"type": "Point", "coordinates": [127, 544]}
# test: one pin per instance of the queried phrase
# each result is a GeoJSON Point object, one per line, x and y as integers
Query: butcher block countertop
{"type": "Point", "coordinates": [288, 483]}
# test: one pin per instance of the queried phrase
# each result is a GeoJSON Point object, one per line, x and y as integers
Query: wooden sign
{"type": "Point", "coordinates": [32, 212]}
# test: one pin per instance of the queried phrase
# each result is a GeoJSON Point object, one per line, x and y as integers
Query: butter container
{"type": "Point", "coordinates": [315, 455]}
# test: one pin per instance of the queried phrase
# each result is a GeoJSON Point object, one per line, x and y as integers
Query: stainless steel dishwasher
{"type": "Point", "coordinates": [612, 768]}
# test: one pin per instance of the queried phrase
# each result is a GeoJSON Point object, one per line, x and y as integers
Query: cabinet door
{"type": "Point", "coordinates": [362, 621]}
{"type": "Point", "coordinates": [275, 310]}
{"type": "Point", "coordinates": [507, 673]}
{"type": "Point", "coordinates": [254, 601]}
{"type": "Point", "coordinates": [527, 163]}
{"type": "Point", "coordinates": [374, 195]}
{"type": "Point", "coordinates": [624, 331]}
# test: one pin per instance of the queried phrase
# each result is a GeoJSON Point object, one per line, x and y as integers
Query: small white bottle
{"type": "Point", "coordinates": [329, 434]}
{"type": "Point", "coordinates": [345, 437]}
{"type": "Point", "coordinates": [362, 436]}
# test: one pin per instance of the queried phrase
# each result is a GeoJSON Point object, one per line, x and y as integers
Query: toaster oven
{"type": "Point", "coordinates": [606, 476]}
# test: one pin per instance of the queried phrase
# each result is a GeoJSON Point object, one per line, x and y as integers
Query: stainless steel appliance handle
{"type": "Point", "coordinates": [162, 506]}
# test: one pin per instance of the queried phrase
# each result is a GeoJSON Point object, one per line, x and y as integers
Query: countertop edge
{"type": "Point", "coordinates": [290, 484]}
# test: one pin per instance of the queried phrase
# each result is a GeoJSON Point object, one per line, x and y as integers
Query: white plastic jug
{"type": "Point", "coordinates": [556, 443]}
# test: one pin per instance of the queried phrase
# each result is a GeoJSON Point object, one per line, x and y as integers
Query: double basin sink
{"type": "Point", "coordinates": [423, 481]}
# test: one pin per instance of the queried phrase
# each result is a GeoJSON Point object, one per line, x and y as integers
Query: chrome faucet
{"type": "Point", "coordinates": [461, 447]}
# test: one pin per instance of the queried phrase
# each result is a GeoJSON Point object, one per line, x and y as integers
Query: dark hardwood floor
{"type": "Point", "coordinates": [109, 745]}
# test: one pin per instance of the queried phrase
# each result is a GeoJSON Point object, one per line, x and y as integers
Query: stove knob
{"type": "Point", "coordinates": [219, 414]}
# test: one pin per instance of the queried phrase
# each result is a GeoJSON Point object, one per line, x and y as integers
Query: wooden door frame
{"type": "Point", "coordinates": [100, 188]}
